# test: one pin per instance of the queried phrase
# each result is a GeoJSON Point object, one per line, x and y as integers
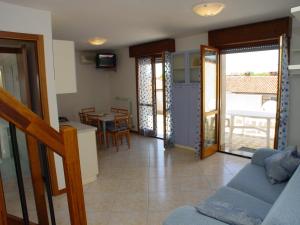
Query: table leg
{"type": "Point", "coordinates": [268, 132]}
{"type": "Point", "coordinates": [104, 133]}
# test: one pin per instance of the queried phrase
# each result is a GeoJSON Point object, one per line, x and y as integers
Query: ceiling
{"type": "Point", "coordinates": [127, 22]}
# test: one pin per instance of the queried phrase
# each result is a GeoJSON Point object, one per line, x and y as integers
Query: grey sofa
{"type": "Point", "coordinates": [277, 204]}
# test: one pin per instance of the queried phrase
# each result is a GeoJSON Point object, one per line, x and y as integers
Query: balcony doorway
{"type": "Point", "coordinates": [249, 99]}
{"type": "Point", "coordinates": [159, 98]}
{"type": "Point", "coordinates": [151, 97]}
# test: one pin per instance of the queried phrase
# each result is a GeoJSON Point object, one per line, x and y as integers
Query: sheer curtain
{"type": "Point", "coordinates": [146, 98]}
{"type": "Point", "coordinates": [147, 109]}
{"type": "Point", "coordinates": [284, 94]}
{"type": "Point", "coordinates": [168, 96]}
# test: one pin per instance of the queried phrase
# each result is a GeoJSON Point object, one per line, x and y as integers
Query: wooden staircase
{"type": "Point", "coordinates": [64, 143]}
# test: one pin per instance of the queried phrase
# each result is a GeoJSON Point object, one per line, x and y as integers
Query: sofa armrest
{"type": "Point", "coordinates": [260, 155]}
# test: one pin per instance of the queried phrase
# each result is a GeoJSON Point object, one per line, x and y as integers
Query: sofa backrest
{"type": "Point", "coordinates": [286, 209]}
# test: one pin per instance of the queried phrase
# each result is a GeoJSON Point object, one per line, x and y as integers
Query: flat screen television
{"type": "Point", "coordinates": [106, 60]}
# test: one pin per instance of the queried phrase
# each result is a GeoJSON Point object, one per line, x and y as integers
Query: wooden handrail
{"type": "Point", "coordinates": [23, 118]}
{"type": "Point", "coordinates": [64, 143]}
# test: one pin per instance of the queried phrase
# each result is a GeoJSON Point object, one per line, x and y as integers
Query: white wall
{"type": "Point", "coordinates": [93, 89]}
{"type": "Point", "coordinates": [123, 82]}
{"type": "Point", "coordinates": [191, 42]}
{"type": "Point", "coordinates": [26, 20]}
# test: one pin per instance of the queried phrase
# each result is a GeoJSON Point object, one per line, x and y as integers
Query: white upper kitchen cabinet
{"type": "Point", "coordinates": [64, 66]}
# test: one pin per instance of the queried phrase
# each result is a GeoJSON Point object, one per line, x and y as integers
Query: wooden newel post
{"type": "Point", "coordinates": [72, 171]}
{"type": "Point", "coordinates": [3, 214]}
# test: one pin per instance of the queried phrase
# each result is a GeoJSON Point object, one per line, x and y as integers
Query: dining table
{"type": "Point", "coordinates": [104, 118]}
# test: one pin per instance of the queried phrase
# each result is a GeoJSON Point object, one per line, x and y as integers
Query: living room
{"type": "Point", "coordinates": [195, 118]}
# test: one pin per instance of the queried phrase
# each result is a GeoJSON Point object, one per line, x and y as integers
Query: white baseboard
{"type": "Point", "coordinates": [185, 147]}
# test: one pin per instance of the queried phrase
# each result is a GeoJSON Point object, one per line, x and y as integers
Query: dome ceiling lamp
{"type": "Point", "coordinates": [97, 41]}
{"type": "Point", "coordinates": [208, 9]}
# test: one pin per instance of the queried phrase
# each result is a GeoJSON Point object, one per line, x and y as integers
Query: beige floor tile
{"type": "Point", "coordinates": [98, 218]}
{"type": "Point", "coordinates": [164, 201]}
{"type": "Point", "coordinates": [194, 197]}
{"type": "Point", "coordinates": [218, 181]}
{"type": "Point", "coordinates": [133, 185]}
{"type": "Point", "coordinates": [62, 217]}
{"type": "Point", "coordinates": [134, 173]}
{"type": "Point", "coordinates": [99, 202]}
{"type": "Point", "coordinates": [166, 184]}
{"type": "Point", "coordinates": [132, 218]}
{"type": "Point", "coordinates": [162, 172]}
{"type": "Point", "coordinates": [130, 202]}
{"type": "Point", "coordinates": [103, 185]}
{"type": "Point", "coordinates": [194, 183]}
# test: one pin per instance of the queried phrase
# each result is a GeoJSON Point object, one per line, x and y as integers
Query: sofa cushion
{"type": "Point", "coordinates": [286, 210]}
{"type": "Point", "coordinates": [291, 161]}
{"type": "Point", "coordinates": [281, 166]}
{"type": "Point", "coordinates": [188, 215]}
{"type": "Point", "coordinates": [260, 155]}
{"type": "Point", "coordinates": [253, 181]}
{"type": "Point", "coordinates": [241, 205]}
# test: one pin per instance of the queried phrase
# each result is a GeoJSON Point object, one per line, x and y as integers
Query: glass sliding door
{"type": "Point", "coordinates": [210, 101]}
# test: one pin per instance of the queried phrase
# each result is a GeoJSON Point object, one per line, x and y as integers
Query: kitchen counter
{"type": "Point", "coordinates": [79, 126]}
{"type": "Point", "coordinates": [87, 145]}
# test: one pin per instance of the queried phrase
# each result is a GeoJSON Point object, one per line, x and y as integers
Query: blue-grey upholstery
{"type": "Point", "coordinates": [188, 215]}
{"type": "Point", "coordinates": [260, 155]}
{"type": "Point", "coordinates": [281, 166]}
{"type": "Point", "coordinates": [286, 210]}
{"type": "Point", "coordinates": [278, 204]}
{"type": "Point", "coordinates": [242, 200]}
{"type": "Point", "coordinates": [252, 180]}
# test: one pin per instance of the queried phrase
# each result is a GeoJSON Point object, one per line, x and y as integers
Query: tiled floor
{"type": "Point", "coordinates": [142, 185]}
{"type": "Point", "coordinates": [239, 140]}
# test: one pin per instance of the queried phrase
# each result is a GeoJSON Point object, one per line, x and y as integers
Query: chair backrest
{"type": "Point", "coordinates": [83, 114]}
{"type": "Point", "coordinates": [114, 110]}
{"type": "Point", "coordinates": [119, 110]}
{"type": "Point", "coordinates": [82, 117]}
{"type": "Point", "coordinates": [122, 121]}
{"type": "Point", "coordinates": [89, 109]}
{"type": "Point", "coordinates": [93, 120]}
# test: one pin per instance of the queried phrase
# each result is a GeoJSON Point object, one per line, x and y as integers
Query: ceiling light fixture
{"type": "Point", "coordinates": [208, 9]}
{"type": "Point", "coordinates": [97, 41]}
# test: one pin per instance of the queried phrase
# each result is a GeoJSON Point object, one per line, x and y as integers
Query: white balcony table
{"type": "Point", "coordinates": [268, 116]}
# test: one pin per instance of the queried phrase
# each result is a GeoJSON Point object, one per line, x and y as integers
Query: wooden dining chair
{"type": "Point", "coordinates": [119, 110]}
{"type": "Point", "coordinates": [114, 109]}
{"type": "Point", "coordinates": [119, 129]}
{"type": "Point", "coordinates": [82, 117]}
{"type": "Point", "coordinates": [84, 112]}
{"type": "Point", "coordinates": [123, 111]}
{"type": "Point", "coordinates": [93, 120]}
{"type": "Point", "coordinates": [87, 110]}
